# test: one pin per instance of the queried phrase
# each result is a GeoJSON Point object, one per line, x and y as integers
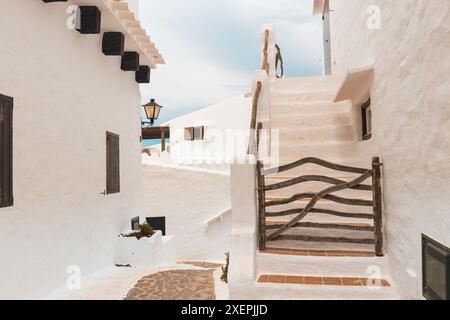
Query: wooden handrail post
{"type": "Point", "coordinates": [261, 206]}
{"type": "Point", "coordinates": [251, 140]}
{"type": "Point", "coordinates": [163, 139]}
{"type": "Point", "coordinates": [258, 136]}
{"type": "Point", "coordinates": [265, 64]}
{"type": "Point", "coordinates": [377, 206]}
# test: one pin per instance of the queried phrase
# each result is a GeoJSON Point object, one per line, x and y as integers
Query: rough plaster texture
{"type": "Point", "coordinates": [188, 199]}
{"type": "Point", "coordinates": [410, 111]}
{"type": "Point", "coordinates": [67, 94]}
{"type": "Point", "coordinates": [243, 266]}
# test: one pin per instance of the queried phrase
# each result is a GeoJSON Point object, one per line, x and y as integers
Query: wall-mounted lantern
{"type": "Point", "coordinates": [152, 110]}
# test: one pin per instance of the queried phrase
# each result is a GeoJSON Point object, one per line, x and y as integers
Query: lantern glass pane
{"type": "Point", "coordinates": [149, 110]}
{"type": "Point", "coordinates": [156, 112]}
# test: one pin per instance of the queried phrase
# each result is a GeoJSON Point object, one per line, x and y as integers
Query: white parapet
{"type": "Point", "coordinates": [244, 229]}
{"type": "Point", "coordinates": [156, 251]}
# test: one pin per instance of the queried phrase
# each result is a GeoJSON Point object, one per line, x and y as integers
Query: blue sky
{"type": "Point", "coordinates": [212, 47]}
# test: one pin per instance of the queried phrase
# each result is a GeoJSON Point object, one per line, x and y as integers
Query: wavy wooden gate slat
{"type": "Point", "coordinates": [326, 194]}
{"type": "Point", "coordinates": [316, 198]}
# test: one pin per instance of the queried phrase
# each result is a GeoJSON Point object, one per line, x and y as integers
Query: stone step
{"type": "Point", "coordinates": [315, 187]}
{"type": "Point", "coordinates": [324, 280]}
{"type": "Point", "coordinates": [317, 253]}
{"type": "Point", "coordinates": [313, 169]}
{"type": "Point", "coordinates": [317, 134]}
{"type": "Point", "coordinates": [329, 82]}
{"type": "Point", "coordinates": [321, 204]}
{"type": "Point", "coordinates": [334, 235]}
{"type": "Point", "coordinates": [349, 266]}
{"type": "Point", "coordinates": [280, 121]}
{"type": "Point", "coordinates": [322, 218]}
{"type": "Point", "coordinates": [308, 108]}
{"type": "Point", "coordinates": [309, 245]}
{"type": "Point", "coordinates": [287, 97]}
{"type": "Point", "coordinates": [273, 291]}
{"type": "Point", "coordinates": [337, 152]}
{"type": "Point", "coordinates": [291, 236]}
{"type": "Point", "coordinates": [332, 212]}
{"type": "Point", "coordinates": [276, 224]}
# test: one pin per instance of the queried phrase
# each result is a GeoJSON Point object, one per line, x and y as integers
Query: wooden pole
{"type": "Point", "coordinates": [258, 137]}
{"type": "Point", "coordinates": [251, 140]}
{"type": "Point", "coordinates": [163, 139]}
{"type": "Point", "coordinates": [261, 206]}
{"type": "Point", "coordinates": [377, 206]}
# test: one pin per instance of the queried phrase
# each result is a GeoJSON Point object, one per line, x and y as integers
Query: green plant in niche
{"type": "Point", "coordinates": [145, 231]}
{"type": "Point", "coordinates": [224, 276]}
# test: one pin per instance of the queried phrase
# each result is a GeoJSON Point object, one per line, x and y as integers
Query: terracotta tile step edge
{"type": "Point", "coordinates": [327, 281]}
{"type": "Point", "coordinates": [318, 253]}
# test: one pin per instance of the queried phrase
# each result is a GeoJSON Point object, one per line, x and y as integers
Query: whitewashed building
{"type": "Point", "coordinates": [70, 137]}
{"type": "Point", "coordinates": [385, 95]}
{"type": "Point", "coordinates": [379, 110]}
{"type": "Point", "coordinates": [212, 137]}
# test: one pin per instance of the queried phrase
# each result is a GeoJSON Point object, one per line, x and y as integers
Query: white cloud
{"type": "Point", "coordinates": [211, 47]}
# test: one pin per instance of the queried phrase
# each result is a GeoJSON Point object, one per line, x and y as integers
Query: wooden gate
{"type": "Point", "coordinates": [277, 231]}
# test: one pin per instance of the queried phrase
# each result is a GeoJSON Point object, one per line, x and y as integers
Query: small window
{"type": "Point", "coordinates": [157, 223]}
{"type": "Point", "coordinates": [366, 117]}
{"type": "Point", "coordinates": [194, 133]}
{"type": "Point", "coordinates": [112, 163]}
{"type": "Point", "coordinates": [6, 135]}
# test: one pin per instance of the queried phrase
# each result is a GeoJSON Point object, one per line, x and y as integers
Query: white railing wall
{"type": "Point", "coordinates": [244, 233]}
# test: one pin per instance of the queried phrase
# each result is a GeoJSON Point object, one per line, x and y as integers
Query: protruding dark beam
{"type": "Point", "coordinates": [113, 43]}
{"type": "Point", "coordinates": [163, 140]}
{"type": "Point", "coordinates": [88, 20]}
{"type": "Point", "coordinates": [54, 1]}
{"type": "Point", "coordinates": [155, 133]}
{"type": "Point", "coordinates": [143, 74]}
{"type": "Point", "coordinates": [130, 61]}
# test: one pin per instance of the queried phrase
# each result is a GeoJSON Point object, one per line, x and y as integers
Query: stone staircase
{"type": "Point", "coordinates": [312, 125]}
{"type": "Point", "coordinates": [318, 275]}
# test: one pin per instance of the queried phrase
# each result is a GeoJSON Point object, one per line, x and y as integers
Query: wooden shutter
{"type": "Point", "coordinates": [199, 133]}
{"type": "Point", "coordinates": [189, 134]}
{"type": "Point", "coordinates": [366, 119]}
{"type": "Point", "coordinates": [6, 117]}
{"type": "Point", "coordinates": [112, 163]}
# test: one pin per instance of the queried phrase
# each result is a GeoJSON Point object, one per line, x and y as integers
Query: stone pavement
{"type": "Point", "coordinates": [175, 285]}
{"type": "Point", "coordinates": [206, 265]}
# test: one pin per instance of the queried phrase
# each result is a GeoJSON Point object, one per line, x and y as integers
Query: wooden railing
{"type": "Point", "coordinates": [278, 57]}
{"type": "Point", "coordinates": [337, 185]}
{"type": "Point", "coordinates": [265, 64]}
{"type": "Point", "coordinates": [279, 61]}
{"type": "Point", "coordinates": [255, 128]}
{"type": "Point", "coordinates": [253, 125]}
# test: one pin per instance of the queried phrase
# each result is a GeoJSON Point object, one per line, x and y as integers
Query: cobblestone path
{"type": "Point", "coordinates": [175, 285]}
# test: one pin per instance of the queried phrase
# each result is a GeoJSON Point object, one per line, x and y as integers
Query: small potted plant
{"type": "Point", "coordinates": [138, 248]}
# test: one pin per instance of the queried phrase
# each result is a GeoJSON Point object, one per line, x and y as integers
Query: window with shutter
{"type": "Point", "coordinates": [6, 116]}
{"type": "Point", "coordinates": [112, 163]}
{"type": "Point", "coordinates": [366, 117]}
{"type": "Point", "coordinates": [194, 133]}
{"type": "Point", "coordinates": [189, 134]}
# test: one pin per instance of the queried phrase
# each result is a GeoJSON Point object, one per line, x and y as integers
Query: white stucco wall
{"type": "Point", "coordinates": [411, 116]}
{"type": "Point", "coordinates": [67, 94]}
{"type": "Point", "coordinates": [188, 199]}
{"type": "Point", "coordinates": [226, 134]}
